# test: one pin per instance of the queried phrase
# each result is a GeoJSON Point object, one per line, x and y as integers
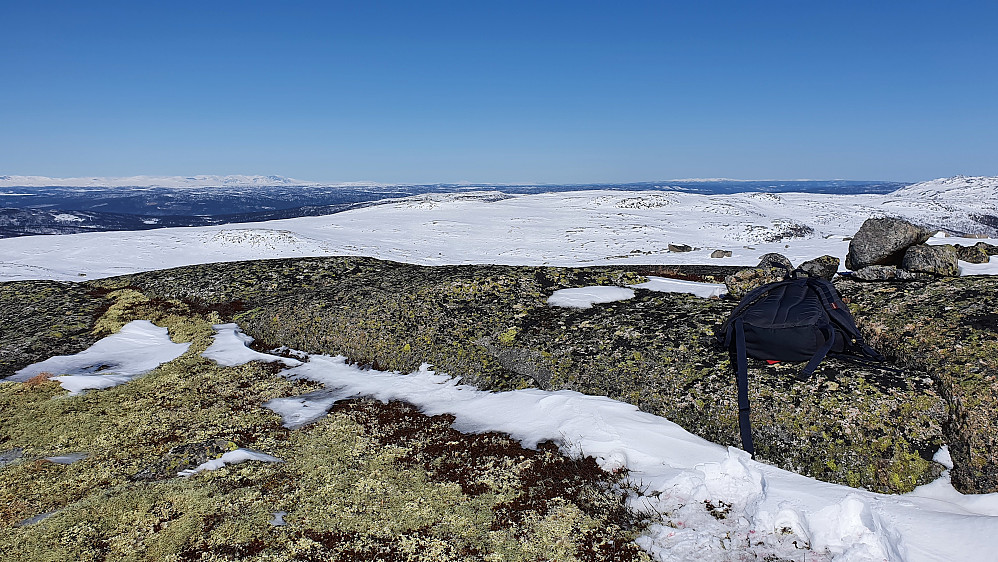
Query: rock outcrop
{"type": "Point", "coordinates": [491, 325]}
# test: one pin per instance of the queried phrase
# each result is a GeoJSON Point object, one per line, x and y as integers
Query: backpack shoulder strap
{"type": "Point", "coordinates": [741, 379]}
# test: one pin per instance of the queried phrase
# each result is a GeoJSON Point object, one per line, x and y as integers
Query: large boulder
{"type": "Point", "coordinates": [883, 241]}
{"type": "Point", "coordinates": [936, 260]}
{"type": "Point", "coordinates": [944, 327]}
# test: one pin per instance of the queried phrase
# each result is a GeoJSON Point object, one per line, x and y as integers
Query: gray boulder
{"type": "Point", "coordinates": [775, 260]}
{"type": "Point", "coordinates": [883, 241]}
{"type": "Point", "coordinates": [825, 267]}
{"type": "Point", "coordinates": [721, 254]}
{"type": "Point", "coordinates": [937, 260]}
{"type": "Point", "coordinates": [680, 248]}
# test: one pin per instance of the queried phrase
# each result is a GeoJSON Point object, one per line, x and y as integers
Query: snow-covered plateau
{"type": "Point", "coordinates": [591, 227]}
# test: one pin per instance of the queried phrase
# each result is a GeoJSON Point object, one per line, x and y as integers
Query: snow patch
{"type": "Point", "coordinates": [666, 285]}
{"type": "Point", "coordinates": [231, 457]}
{"type": "Point", "coordinates": [66, 217]}
{"type": "Point", "coordinates": [230, 346]}
{"type": "Point", "coordinates": [139, 347]}
{"type": "Point", "coordinates": [586, 297]}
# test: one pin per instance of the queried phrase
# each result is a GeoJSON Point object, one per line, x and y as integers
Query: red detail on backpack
{"type": "Point", "coordinates": [771, 362]}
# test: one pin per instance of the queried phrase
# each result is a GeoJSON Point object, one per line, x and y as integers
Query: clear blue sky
{"type": "Point", "coordinates": [537, 91]}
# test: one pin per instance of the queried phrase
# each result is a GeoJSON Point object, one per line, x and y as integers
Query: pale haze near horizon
{"type": "Point", "coordinates": [514, 93]}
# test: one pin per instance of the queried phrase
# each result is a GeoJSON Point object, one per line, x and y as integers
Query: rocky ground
{"type": "Point", "coordinates": [859, 425]}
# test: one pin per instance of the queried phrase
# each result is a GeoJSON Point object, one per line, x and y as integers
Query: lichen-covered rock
{"type": "Point", "coordinates": [825, 267]}
{"type": "Point", "coordinates": [184, 457]}
{"type": "Point", "coordinates": [491, 325]}
{"type": "Point", "coordinates": [370, 481]}
{"type": "Point", "coordinates": [883, 241]}
{"type": "Point", "coordinates": [977, 253]}
{"type": "Point", "coordinates": [947, 329]}
{"type": "Point", "coordinates": [680, 248]}
{"type": "Point", "coordinates": [991, 249]}
{"type": "Point", "coordinates": [39, 319]}
{"type": "Point", "coordinates": [935, 260]}
{"type": "Point", "coordinates": [741, 282]}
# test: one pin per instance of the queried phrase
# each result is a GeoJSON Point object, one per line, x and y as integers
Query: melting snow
{"type": "Point", "coordinates": [137, 349]}
{"type": "Point", "coordinates": [667, 285]}
{"type": "Point", "coordinates": [586, 297]}
{"type": "Point", "coordinates": [232, 457]}
{"type": "Point", "coordinates": [231, 347]}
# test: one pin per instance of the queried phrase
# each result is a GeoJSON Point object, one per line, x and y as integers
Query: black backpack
{"type": "Point", "coordinates": [794, 320]}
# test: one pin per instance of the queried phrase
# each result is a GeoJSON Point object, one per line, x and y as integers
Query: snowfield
{"type": "Point", "coordinates": [561, 229]}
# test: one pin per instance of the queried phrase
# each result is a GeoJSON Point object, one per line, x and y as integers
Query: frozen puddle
{"type": "Point", "coordinates": [139, 347]}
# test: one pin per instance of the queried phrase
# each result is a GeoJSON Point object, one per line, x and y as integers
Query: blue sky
{"type": "Point", "coordinates": [500, 91]}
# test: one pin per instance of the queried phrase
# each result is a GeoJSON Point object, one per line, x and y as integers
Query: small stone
{"type": "Point", "coordinates": [972, 254]}
{"type": "Point", "coordinates": [825, 267]}
{"type": "Point", "coordinates": [721, 254]}
{"type": "Point", "coordinates": [991, 249]}
{"type": "Point", "coordinates": [680, 248]}
{"type": "Point", "coordinates": [775, 260]}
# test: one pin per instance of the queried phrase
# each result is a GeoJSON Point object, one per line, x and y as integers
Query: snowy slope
{"type": "Point", "coordinates": [564, 228]}
{"type": "Point", "coordinates": [964, 203]}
